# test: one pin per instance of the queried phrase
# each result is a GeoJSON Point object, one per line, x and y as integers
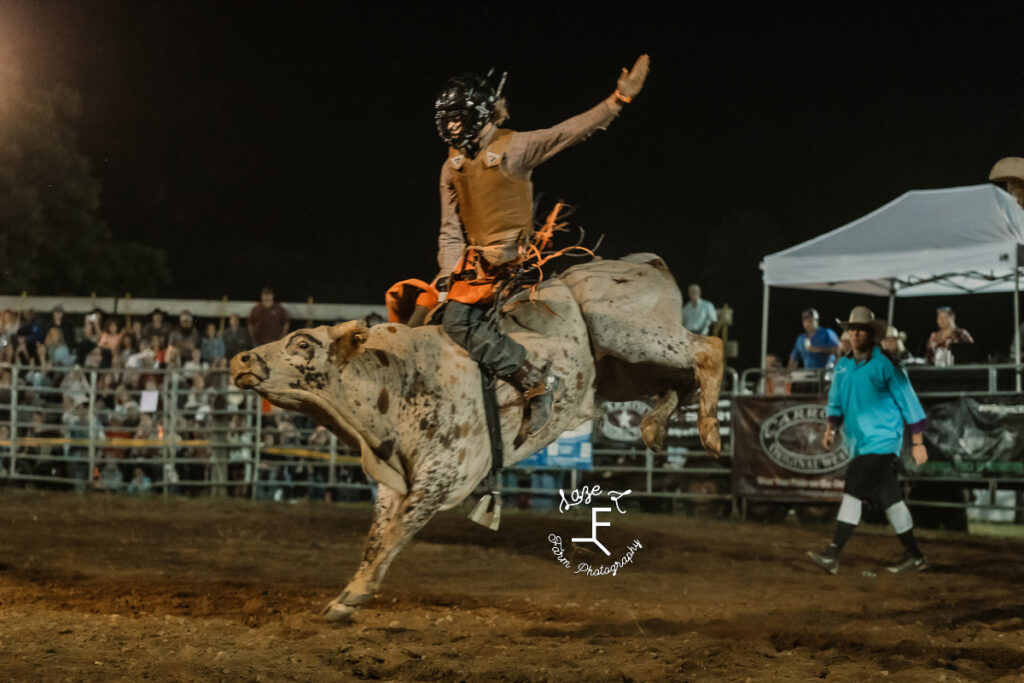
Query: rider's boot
{"type": "Point", "coordinates": [538, 390]}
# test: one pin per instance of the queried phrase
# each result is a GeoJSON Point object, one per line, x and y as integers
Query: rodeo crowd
{"type": "Point", "coordinates": [133, 359]}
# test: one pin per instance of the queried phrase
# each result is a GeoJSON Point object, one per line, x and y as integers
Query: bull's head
{"type": "Point", "coordinates": [300, 371]}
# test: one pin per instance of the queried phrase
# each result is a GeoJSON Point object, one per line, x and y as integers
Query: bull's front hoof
{"type": "Point", "coordinates": [710, 437]}
{"type": "Point", "coordinates": [337, 613]}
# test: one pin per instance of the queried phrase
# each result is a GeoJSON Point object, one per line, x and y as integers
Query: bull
{"type": "Point", "coordinates": [409, 399]}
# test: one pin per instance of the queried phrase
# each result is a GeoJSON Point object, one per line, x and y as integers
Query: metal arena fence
{"type": "Point", "coordinates": [181, 431]}
{"type": "Point", "coordinates": [188, 431]}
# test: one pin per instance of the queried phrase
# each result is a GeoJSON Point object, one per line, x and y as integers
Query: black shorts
{"type": "Point", "coordinates": [872, 478]}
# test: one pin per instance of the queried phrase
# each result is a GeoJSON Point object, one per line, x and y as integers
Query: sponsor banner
{"type": "Point", "coordinates": [972, 436]}
{"type": "Point", "coordinates": [572, 451]}
{"type": "Point", "coordinates": [618, 424]}
{"type": "Point", "coordinates": [778, 451]}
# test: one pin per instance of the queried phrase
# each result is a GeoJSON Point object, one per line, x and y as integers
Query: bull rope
{"type": "Point", "coordinates": [488, 510]}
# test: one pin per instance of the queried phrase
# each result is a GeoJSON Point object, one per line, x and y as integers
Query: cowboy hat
{"type": "Point", "coordinates": [900, 337]}
{"type": "Point", "coordinates": [1006, 168]}
{"type": "Point", "coordinates": [862, 315]}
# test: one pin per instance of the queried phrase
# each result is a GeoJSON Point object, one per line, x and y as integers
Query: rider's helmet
{"type": "Point", "coordinates": [464, 107]}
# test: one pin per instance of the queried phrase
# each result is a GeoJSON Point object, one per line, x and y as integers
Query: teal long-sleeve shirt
{"type": "Point", "coordinates": [872, 399]}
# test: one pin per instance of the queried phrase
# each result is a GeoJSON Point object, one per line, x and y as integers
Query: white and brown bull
{"type": "Point", "coordinates": [410, 399]}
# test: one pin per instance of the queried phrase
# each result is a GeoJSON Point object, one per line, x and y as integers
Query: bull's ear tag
{"type": "Point", "coordinates": [457, 161]}
{"type": "Point", "coordinates": [347, 340]}
{"type": "Point", "coordinates": [492, 159]}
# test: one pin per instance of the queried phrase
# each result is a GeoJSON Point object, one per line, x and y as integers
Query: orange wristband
{"type": "Point", "coordinates": [625, 99]}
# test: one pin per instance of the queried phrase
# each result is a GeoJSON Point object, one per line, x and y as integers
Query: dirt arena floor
{"type": "Point", "coordinates": [95, 588]}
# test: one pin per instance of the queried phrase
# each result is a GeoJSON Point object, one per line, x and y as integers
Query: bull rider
{"type": "Point", "coordinates": [487, 215]}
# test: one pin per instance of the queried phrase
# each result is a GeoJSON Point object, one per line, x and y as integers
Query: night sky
{"type": "Point", "coordinates": [293, 143]}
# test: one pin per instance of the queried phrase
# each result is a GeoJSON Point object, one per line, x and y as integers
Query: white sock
{"type": "Point", "coordinates": [849, 510]}
{"type": "Point", "coordinates": [899, 516]}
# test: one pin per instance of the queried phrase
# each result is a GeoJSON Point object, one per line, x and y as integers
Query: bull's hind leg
{"type": "Point", "coordinates": [653, 426]}
{"type": "Point", "coordinates": [396, 520]}
{"type": "Point", "coordinates": [709, 368]}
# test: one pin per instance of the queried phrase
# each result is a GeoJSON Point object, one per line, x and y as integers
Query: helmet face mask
{"type": "Point", "coordinates": [464, 107]}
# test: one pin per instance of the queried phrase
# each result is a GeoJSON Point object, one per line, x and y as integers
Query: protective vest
{"type": "Point", "coordinates": [493, 206]}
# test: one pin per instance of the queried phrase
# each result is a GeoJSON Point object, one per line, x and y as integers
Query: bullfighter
{"type": "Point", "coordinates": [871, 397]}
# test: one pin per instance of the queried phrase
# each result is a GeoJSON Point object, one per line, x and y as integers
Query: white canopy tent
{"type": "Point", "coordinates": [959, 240]}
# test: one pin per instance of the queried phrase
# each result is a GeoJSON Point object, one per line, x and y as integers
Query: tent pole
{"type": "Point", "coordinates": [764, 326]}
{"type": "Point", "coordinates": [892, 299]}
{"type": "Point", "coordinates": [1016, 325]}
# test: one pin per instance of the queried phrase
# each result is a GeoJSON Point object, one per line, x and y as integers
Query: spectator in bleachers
{"type": "Point", "coordinates": [94, 360]}
{"type": "Point", "coordinates": [63, 323]}
{"type": "Point", "coordinates": [58, 352]}
{"type": "Point", "coordinates": [776, 379]}
{"type": "Point", "coordinates": [198, 399]}
{"type": "Point", "coordinates": [893, 344]}
{"type": "Point", "coordinates": [125, 407]}
{"type": "Point", "coordinates": [816, 347]}
{"type": "Point", "coordinates": [91, 329]}
{"type": "Point", "coordinates": [239, 455]}
{"type": "Point", "coordinates": [154, 358]}
{"type": "Point", "coordinates": [90, 336]}
{"type": "Point", "coordinates": [10, 321]}
{"type": "Point", "coordinates": [939, 348]}
{"type": "Point", "coordinates": [32, 329]}
{"type": "Point", "coordinates": [136, 330]}
{"type": "Point", "coordinates": [26, 353]}
{"type": "Point", "coordinates": [184, 337]}
{"type": "Point", "coordinates": [140, 483]}
{"type": "Point", "coordinates": [845, 345]}
{"type": "Point", "coordinates": [128, 346]}
{"type": "Point", "coordinates": [157, 325]}
{"type": "Point", "coordinates": [146, 430]}
{"type": "Point", "coordinates": [236, 338]}
{"type": "Point", "coordinates": [698, 313]}
{"type": "Point", "coordinates": [77, 425]}
{"type": "Point", "coordinates": [106, 386]}
{"type": "Point", "coordinates": [212, 348]}
{"type": "Point", "coordinates": [113, 474]}
{"type": "Point", "coordinates": [268, 320]}
{"type": "Point", "coordinates": [110, 338]}
{"type": "Point", "coordinates": [287, 434]}
{"type": "Point", "coordinates": [75, 385]}
{"type": "Point", "coordinates": [192, 366]}
{"type": "Point", "coordinates": [39, 429]}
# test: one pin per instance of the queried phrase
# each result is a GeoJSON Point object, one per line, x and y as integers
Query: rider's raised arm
{"type": "Point", "coordinates": [450, 242]}
{"type": "Point", "coordinates": [527, 150]}
{"type": "Point", "coordinates": [530, 149]}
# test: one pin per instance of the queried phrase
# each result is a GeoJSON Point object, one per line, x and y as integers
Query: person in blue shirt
{"type": "Point", "coordinates": [817, 347]}
{"type": "Point", "coordinates": [871, 398]}
{"type": "Point", "coordinates": [698, 314]}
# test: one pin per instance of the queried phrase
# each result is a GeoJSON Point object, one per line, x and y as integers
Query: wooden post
{"type": "Point", "coordinates": [309, 312]}
{"type": "Point", "coordinates": [223, 313]}
{"type": "Point", "coordinates": [128, 316]}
